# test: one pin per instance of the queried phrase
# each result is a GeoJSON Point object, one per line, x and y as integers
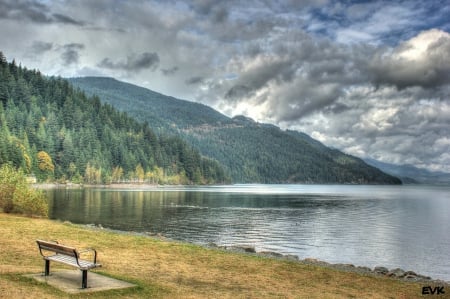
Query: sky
{"type": "Point", "coordinates": [371, 78]}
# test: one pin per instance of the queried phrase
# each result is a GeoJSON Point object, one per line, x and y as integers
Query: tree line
{"type": "Point", "coordinates": [52, 131]}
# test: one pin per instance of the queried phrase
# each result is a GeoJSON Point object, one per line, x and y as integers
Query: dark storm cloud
{"type": "Point", "coordinates": [217, 11]}
{"type": "Point", "coordinates": [194, 80]}
{"type": "Point", "coordinates": [238, 92]}
{"type": "Point", "coordinates": [59, 18]}
{"type": "Point", "coordinates": [133, 62]}
{"type": "Point", "coordinates": [33, 11]}
{"type": "Point", "coordinates": [306, 76]}
{"type": "Point", "coordinates": [170, 72]}
{"type": "Point", "coordinates": [257, 77]}
{"type": "Point", "coordinates": [39, 47]}
{"type": "Point", "coordinates": [70, 53]}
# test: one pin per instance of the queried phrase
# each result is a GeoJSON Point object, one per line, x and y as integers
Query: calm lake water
{"type": "Point", "coordinates": [392, 226]}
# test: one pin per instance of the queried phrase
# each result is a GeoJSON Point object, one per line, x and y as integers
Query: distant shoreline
{"type": "Point", "coordinates": [146, 186]}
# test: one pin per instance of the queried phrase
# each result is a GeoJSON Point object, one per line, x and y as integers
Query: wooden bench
{"type": "Point", "coordinates": [53, 251]}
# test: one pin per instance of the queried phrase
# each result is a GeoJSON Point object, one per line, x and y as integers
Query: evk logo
{"type": "Point", "coordinates": [433, 291]}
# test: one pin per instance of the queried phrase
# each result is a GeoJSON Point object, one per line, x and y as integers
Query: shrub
{"type": "Point", "coordinates": [30, 202]}
{"type": "Point", "coordinates": [17, 196]}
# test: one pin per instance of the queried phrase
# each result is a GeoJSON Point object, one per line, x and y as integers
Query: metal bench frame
{"type": "Point", "coordinates": [53, 251]}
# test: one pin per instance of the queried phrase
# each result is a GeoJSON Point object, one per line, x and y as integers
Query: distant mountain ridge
{"type": "Point", "coordinates": [410, 174]}
{"type": "Point", "coordinates": [251, 152]}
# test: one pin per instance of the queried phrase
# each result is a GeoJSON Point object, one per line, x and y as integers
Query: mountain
{"type": "Point", "coordinates": [51, 130]}
{"type": "Point", "coordinates": [412, 175]}
{"type": "Point", "coordinates": [250, 152]}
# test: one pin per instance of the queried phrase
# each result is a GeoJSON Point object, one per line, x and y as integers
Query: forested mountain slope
{"type": "Point", "coordinates": [54, 131]}
{"type": "Point", "coordinates": [251, 152]}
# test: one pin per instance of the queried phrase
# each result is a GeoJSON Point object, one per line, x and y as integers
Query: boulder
{"type": "Point", "coordinates": [381, 270]}
{"type": "Point", "coordinates": [399, 273]}
{"type": "Point", "coordinates": [270, 254]}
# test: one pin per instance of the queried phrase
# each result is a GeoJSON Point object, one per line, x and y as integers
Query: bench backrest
{"type": "Point", "coordinates": [57, 248]}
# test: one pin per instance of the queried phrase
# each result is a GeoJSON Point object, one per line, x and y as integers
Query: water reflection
{"type": "Point", "coordinates": [403, 227]}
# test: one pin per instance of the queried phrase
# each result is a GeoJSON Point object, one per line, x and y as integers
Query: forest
{"type": "Point", "coordinates": [54, 132]}
{"type": "Point", "coordinates": [249, 151]}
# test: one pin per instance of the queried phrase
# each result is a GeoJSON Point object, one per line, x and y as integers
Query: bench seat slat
{"type": "Point", "coordinates": [84, 265]}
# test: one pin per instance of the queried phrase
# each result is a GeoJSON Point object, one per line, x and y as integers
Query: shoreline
{"type": "Point", "coordinates": [171, 269]}
{"type": "Point", "coordinates": [139, 186]}
{"type": "Point", "coordinates": [115, 186]}
{"type": "Point", "coordinates": [378, 271]}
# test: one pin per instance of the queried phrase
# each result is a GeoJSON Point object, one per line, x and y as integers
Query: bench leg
{"type": "Point", "coordinates": [84, 281]}
{"type": "Point", "coordinates": [47, 267]}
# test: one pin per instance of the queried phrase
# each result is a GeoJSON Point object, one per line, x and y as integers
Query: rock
{"type": "Point", "coordinates": [249, 249]}
{"type": "Point", "coordinates": [381, 270]}
{"type": "Point", "coordinates": [345, 265]}
{"type": "Point", "coordinates": [212, 245]}
{"type": "Point", "coordinates": [411, 277]}
{"type": "Point", "coordinates": [244, 248]}
{"type": "Point", "coordinates": [423, 277]}
{"type": "Point", "coordinates": [270, 254]}
{"type": "Point", "coordinates": [396, 273]}
{"type": "Point", "coordinates": [410, 273]}
{"type": "Point", "coordinates": [364, 269]}
{"type": "Point", "coordinates": [291, 257]}
{"type": "Point", "coordinates": [311, 260]}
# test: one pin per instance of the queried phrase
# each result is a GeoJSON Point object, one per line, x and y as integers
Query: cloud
{"type": "Point", "coordinates": [194, 80]}
{"type": "Point", "coordinates": [312, 75]}
{"type": "Point", "coordinates": [70, 53]}
{"type": "Point", "coordinates": [143, 61]}
{"type": "Point", "coordinates": [170, 71]}
{"type": "Point", "coordinates": [40, 47]}
{"type": "Point", "coordinates": [421, 61]}
{"type": "Point", "coordinates": [59, 18]}
{"type": "Point", "coordinates": [218, 13]}
{"type": "Point", "coordinates": [33, 11]}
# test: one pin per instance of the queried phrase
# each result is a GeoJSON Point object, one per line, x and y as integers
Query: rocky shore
{"type": "Point", "coordinates": [396, 273]}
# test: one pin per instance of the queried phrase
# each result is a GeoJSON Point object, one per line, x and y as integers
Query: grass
{"type": "Point", "coordinates": [166, 269]}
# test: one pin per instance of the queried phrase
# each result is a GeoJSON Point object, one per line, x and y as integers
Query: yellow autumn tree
{"type": "Point", "coordinates": [45, 162]}
{"type": "Point", "coordinates": [45, 165]}
{"type": "Point", "coordinates": [140, 173]}
{"type": "Point", "coordinates": [117, 174]}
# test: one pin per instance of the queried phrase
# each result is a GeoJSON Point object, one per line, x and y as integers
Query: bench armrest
{"type": "Point", "coordinates": [89, 250]}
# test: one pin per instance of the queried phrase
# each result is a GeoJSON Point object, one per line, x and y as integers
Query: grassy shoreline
{"type": "Point", "coordinates": [168, 269]}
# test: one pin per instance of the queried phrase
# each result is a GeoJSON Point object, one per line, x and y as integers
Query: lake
{"type": "Point", "coordinates": [393, 226]}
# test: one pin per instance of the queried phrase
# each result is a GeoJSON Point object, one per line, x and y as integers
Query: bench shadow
{"type": "Point", "coordinates": [69, 281]}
